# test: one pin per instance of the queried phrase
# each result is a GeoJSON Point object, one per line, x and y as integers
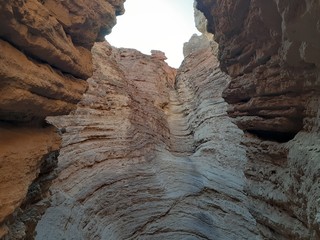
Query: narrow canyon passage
{"type": "Point", "coordinates": [144, 154]}
{"type": "Point", "coordinates": [98, 142]}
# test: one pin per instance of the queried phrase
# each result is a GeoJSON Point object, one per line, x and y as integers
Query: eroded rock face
{"type": "Point", "coordinates": [149, 153]}
{"type": "Point", "coordinates": [143, 155]}
{"type": "Point", "coordinates": [45, 48]}
{"type": "Point", "coordinates": [269, 49]}
{"type": "Point", "coordinates": [44, 59]}
{"type": "Point", "coordinates": [271, 78]}
{"type": "Point", "coordinates": [17, 172]}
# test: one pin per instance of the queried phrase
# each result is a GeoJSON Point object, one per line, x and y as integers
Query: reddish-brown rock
{"type": "Point", "coordinates": [22, 151]}
{"type": "Point", "coordinates": [31, 91]}
{"type": "Point", "coordinates": [266, 60]}
{"type": "Point", "coordinates": [86, 21]}
{"type": "Point", "coordinates": [144, 156]}
{"type": "Point", "coordinates": [45, 48]}
{"type": "Point", "coordinates": [44, 59]}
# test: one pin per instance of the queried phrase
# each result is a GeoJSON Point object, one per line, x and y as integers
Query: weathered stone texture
{"type": "Point", "coordinates": [143, 156]}
{"type": "Point", "coordinates": [269, 49]}
{"type": "Point", "coordinates": [269, 89]}
{"type": "Point", "coordinates": [45, 53]}
{"type": "Point", "coordinates": [17, 172]}
{"type": "Point", "coordinates": [150, 152]}
{"type": "Point", "coordinates": [31, 91]}
{"type": "Point", "coordinates": [44, 59]}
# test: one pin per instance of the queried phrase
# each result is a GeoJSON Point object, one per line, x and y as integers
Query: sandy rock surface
{"type": "Point", "coordinates": [45, 59]}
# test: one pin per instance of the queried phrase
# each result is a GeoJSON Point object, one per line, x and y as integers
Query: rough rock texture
{"type": "Point", "coordinates": [143, 156]}
{"type": "Point", "coordinates": [151, 154]}
{"type": "Point", "coordinates": [17, 172]}
{"type": "Point", "coordinates": [45, 49]}
{"type": "Point", "coordinates": [271, 51]}
{"type": "Point", "coordinates": [44, 59]}
{"type": "Point", "coordinates": [31, 91]}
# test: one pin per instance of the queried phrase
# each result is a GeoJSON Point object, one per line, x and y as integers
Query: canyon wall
{"type": "Point", "coordinates": [271, 51]}
{"type": "Point", "coordinates": [150, 152]}
{"type": "Point", "coordinates": [144, 157]}
{"type": "Point", "coordinates": [44, 59]}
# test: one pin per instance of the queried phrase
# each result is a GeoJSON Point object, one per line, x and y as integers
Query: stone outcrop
{"type": "Point", "coordinates": [270, 50]}
{"type": "Point", "coordinates": [45, 48]}
{"type": "Point", "coordinates": [143, 154]}
{"type": "Point", "coordinates": [44, 59]}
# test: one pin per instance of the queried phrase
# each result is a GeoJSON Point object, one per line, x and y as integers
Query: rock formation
{"type": "Point", "coordinates": [271, 51]}
{"type": "Point", "coordinates": [143, 155]}
{"type": "Point", "coordinates": [225, 147]}
{"type": "Point", "coordinates": [44, 59]}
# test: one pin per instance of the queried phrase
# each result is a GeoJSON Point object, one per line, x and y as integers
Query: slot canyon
{"type": "Point", "coordinates": [99, 142]}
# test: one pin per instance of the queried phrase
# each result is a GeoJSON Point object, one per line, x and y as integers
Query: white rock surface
{"type": "Point", "coordinates": [143, 159]}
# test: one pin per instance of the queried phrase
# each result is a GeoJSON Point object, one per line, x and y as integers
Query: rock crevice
{"type": "Point", "coordinates": [225, 147]}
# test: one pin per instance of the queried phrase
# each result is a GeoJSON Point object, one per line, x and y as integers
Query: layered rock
{"type": "Point", "coordinates": [270, 51]}
{"type": "Point", "coordinates": [150, 154]}
{"type": "Point", "coordinates": [143, 155]}
{"type": "Point", "coordinates": [45, 58]}
{"type": "Point", "coordinates": [18, 172]}
{"type": "Point", "coordinates": [46, 50]}
{"type": "Point", "coordinates": [271, 79]}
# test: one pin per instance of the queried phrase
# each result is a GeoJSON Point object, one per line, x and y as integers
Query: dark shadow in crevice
{"type": "Point", "coordinates": [25, 218]}
{"type": "Point", "coordinates": [280, 137]}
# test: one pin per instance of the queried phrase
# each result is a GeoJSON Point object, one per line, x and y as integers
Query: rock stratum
{"type": "Point", "coordinates": [143, 154]}
{"type": "Point", "coordinates": [45, 59]}
{"type": "Point", "coordinates": [270, 51]}
{"type": "Point", "coordinates": [225, 147]}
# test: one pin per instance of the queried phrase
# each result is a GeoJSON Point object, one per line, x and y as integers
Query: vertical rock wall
{"type": "Point", "coordinates": [270, 50]}
{"type": "Point", "coordinates": [44, 59]}
{"type": "Point", "coordinates": [144, 154]}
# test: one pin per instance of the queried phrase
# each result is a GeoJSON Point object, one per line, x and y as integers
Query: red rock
{"type": "Point", "coordinates": [44, 59]}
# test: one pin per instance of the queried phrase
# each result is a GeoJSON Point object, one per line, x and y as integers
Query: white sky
{"type": "Point", "coordinates": [155, 25]}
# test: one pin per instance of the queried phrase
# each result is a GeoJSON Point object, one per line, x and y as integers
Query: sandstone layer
{"type": "Point", "coordinates": [18, 172]}
{"type": "Point", "coordinates": [143, 155]}
{"type": "Point", "coordinates": [150, 152]}
{"type": "Point", "coordinates": [270, 51]}
{"type": "Point", "coordinates": [45, 48]}
{"type": "Point", "coordinates": [45, 59]}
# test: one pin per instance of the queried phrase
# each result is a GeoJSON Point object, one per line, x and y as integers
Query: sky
{"type": "Point", "coordinates": [155, 25]}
